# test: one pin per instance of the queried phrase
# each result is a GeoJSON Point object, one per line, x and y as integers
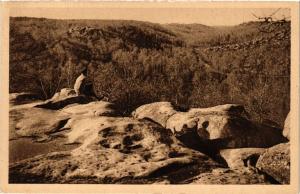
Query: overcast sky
{"type": "Point", "coordinates": [207, 16]}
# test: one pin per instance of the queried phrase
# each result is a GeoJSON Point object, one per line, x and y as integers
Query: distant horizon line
{"type": "Point", "coordinates": [67, 19]}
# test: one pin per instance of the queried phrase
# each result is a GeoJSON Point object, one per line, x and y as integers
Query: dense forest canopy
{"type": "Point", "coordinates": [133, 63]}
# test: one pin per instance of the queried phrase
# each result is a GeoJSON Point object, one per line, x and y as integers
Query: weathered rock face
{"type": "Point", "coordinates": [115, 150]}
{"type": "Point", "coordinates": [276, 162]}
{"type": "Point", "coordinates": [219, 127]}
{"type": "Point", "coordinates": [158, 112]}
{"type": "Point", "coordinates": [63, 98]}
{"type": "Point", "coordinates": [224, 126]}
{"type": "Point", "coordinates": [213, 119]}
{"type": "Point", "coordinates": [227, 176]}
{"type": "Point", "coordinates": [242, 157]}
{"type": "Point", "coordinates": [287, 127]}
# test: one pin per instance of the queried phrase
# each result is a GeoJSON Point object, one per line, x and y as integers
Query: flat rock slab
{"type": "Point", "coordinates": [41, 123]}
{"type": "Point", "coordinates": [115, 150]}
{"type": "Point", "coordinates": [276, 162]}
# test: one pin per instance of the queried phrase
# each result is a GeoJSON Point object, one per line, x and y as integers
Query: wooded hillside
{"type": "Point", "coordinates": [133, 63]}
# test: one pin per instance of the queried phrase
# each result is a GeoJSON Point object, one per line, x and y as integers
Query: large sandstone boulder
{"type": "Point", "coordinates": [276, 162]}
{"type": "Point", "coordinates": [115, 150]}
{"type": "Point", "coordinates": [287, 127]}
{"type": "Point", "coordinates": [194, 116]}
{"type": "Point", "coordinates": [224, 126]}
{"type": "Point", "coordinates": [223, 176]}
{"type": "Point", "coordinates": [242, 157]}
{"type": "Point", "coordinates": [63, 98]}
{"type": "Point", "coordinates": [158, 112]}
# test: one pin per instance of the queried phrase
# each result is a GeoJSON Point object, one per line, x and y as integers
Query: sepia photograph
{"type": "Point", "coordinates": [151, 95]}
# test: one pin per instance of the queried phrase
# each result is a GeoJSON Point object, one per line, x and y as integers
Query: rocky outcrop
{"type": "Point", "coordinates": [63, 98]}
{"type": "Point", "coordinates": [157, 145]}
{"type": "Point", "coordinates": [212, 119]}
{"type": "Point", "coordinates": [42, 124]}
{"type": "Point", "coordinates": [226, 109]}
{"type": "Point", "coordinates": [276, 162]}
{"type": "Point", "coordinates": [242, 157]}
{"type": "Point", "coordinates": [158, 112]}
{"type": "Point", "coordinates": [287, 127]}
{"type": "Point", "coordinates": [212, 129]}
{"type": "Point", "coordinates": [112, 150]}
{"type": "Point", "coordinates": [224, 126]}
{"type": "Point", "coordinates": [40, 120]}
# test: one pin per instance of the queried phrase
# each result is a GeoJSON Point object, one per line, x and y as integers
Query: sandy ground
{"type": "Point", "coordinates": [24, 148]}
